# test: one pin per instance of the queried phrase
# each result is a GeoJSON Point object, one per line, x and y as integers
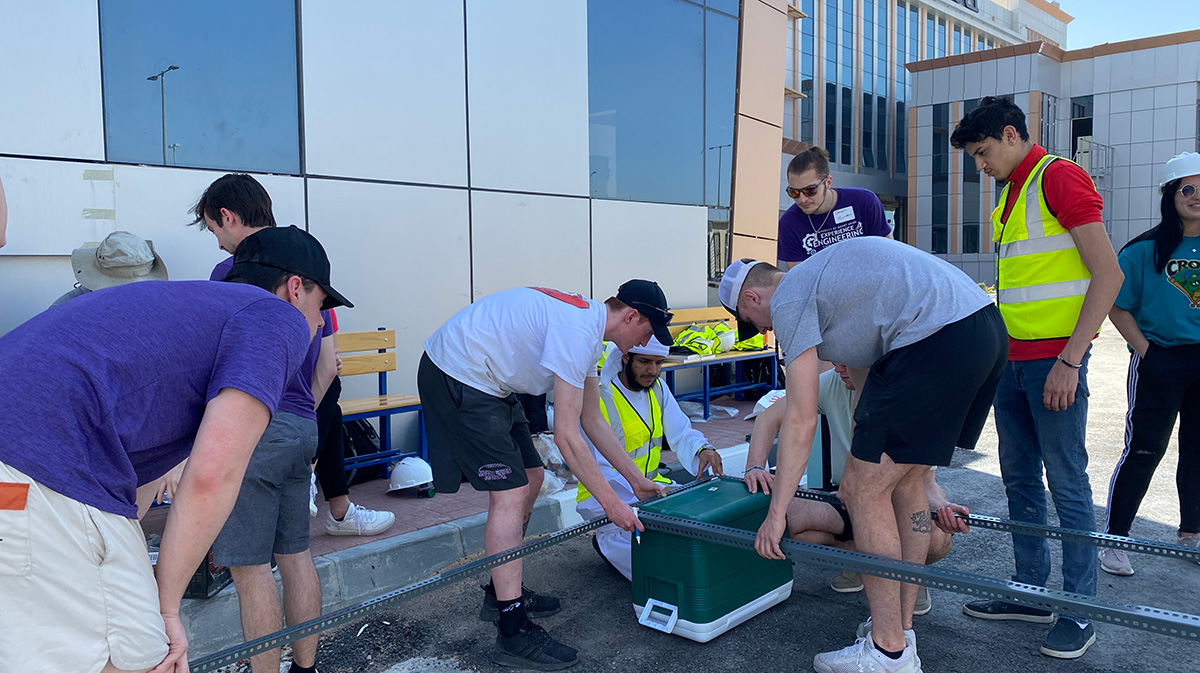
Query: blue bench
{"type": "Point", "coordinates": [374, 353]}
{"type": "Point", "coordinates": [707, 317]}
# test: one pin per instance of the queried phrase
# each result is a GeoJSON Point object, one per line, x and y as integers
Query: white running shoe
{"type": "Point", "coordinates": [359, 521]}
{"type": "Point", "coordinates": [312, 496]}
{"type": "Point", "coordinates": [1115, 561]}
{"type": "Point", "coordinates": [863, 657]}
{"type": "Point", "coordinates": [1188, 541]}
{"type": "Point", "coordinates": [910, 636]}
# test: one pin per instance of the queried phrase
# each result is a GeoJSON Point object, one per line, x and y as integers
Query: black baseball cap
{"type": "Point", "coordinates": [649, 300]}
{"type": "Point", "coordinates": [293, 250]}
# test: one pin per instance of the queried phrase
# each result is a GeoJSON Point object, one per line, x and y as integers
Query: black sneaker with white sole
{"type": "Point", "coordinates": [1068, 640]}
{"type": "Point", "coordinates": [536, 605]}
{"type": "Point", "coordinates": [533, 648]}
{"type": "Point", "coordinates": [988, 609]}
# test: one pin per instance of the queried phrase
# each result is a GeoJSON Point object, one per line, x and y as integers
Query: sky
{"type": "Point", "coordinates": [1100, 21]}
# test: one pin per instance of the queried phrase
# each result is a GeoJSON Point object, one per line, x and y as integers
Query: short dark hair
{"type": "Point", "coordinates": [988, 121]}
{"type": "Point", "coordinates": [239, 193]}
{"type": "Point", "coordinates": [268, 278]}
{"type": "Point", "coordinates": [759, 275]}
{"type": "Point", "coordinates": [812, 158]}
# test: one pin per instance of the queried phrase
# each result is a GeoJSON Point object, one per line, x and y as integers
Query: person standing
{"type": "Point", "coordinates": [1056, 279]}
{"type": "Point", "coordinates": [529, 340]}
{"type": "Point", "coordinates": [1158, 313]}
{"type": "Point", "coordinates": [823, 215]}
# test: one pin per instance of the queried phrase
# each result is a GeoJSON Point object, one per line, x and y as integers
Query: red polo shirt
{"type": "Point", "coordinates": [1071, 197]}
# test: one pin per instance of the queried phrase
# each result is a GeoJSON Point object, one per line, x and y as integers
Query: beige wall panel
{"type": "Point", "coordinates": [756, 178]}
{"type": "Point", "coordinates": [764, 48]}
{"type": "Point", "coordinates": [756, 248]}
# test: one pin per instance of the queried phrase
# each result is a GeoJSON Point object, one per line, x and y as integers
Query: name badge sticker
{"type": "Point", "coordinates": [843, 214]}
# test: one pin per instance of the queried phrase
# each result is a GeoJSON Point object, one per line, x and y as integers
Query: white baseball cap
{"type": "Point", "coordinates": [731, 288]}
{"type": "Point", "coordinates": [653, 347]}
{"type": "Point", "coordinates": [1180, 166]}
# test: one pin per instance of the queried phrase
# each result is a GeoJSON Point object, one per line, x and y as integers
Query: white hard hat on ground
{"type": "Point", "coordinates": [1180, 166]}
{"type": "Point", "coordinates": [410, 472]}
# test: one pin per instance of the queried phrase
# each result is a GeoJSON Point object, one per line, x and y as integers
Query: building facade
{"type": "Point", "coordinates": [441, 151]}
{"type": "Point", "coordinates": [1119, 110]}
{"type": "Point", "coordinates": [846, 87]}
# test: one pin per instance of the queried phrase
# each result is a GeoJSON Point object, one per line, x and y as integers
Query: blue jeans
{"type": "Point", "coordinates": [1032, 436]}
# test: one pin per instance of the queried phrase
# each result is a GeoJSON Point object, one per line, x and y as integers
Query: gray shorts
{"type": "Point", "coordinates": [271, 513]}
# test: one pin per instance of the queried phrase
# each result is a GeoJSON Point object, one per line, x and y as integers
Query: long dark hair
{"type": "Point", "coordinates": [1168, 234]}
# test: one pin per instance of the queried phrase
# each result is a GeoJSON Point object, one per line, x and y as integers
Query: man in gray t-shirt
{"type": "Point", "coordinates": [925, 348]}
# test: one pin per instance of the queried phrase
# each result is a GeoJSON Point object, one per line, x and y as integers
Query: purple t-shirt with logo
{"type": "Point", "coordinates": [858, 212]}
{"type": "Point", "coordinates": [298, 397]}
{"type": "Point", "coordinates": [105, 392]}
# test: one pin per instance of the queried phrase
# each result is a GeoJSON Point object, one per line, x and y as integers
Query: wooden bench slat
{"type": "Point", "coordinates": [354, 342]}
{"type": "Point", "coordinates": [368, 364]}
{"type": "Point", "coordinates": [378, 403]}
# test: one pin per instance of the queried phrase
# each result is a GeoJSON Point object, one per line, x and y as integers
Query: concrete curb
{"type": "Point", "coordinates": [353, 575]}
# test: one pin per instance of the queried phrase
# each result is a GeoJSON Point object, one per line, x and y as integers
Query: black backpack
{"type": "Point", "coordinates": [360, 440]}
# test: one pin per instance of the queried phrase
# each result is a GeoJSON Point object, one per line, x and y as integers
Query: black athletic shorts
{"type": "Point", "coordinates": [473, 436]}
{"type": "Point", "coordinates": [923, 400]}
{"type": "Point", "coordinates": [847, 533]}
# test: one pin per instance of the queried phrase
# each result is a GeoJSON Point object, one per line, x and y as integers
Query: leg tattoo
{"type": "Point", "coordinates": [921, 522]}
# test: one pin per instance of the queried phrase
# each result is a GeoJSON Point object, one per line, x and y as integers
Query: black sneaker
{"type": "Point", "coordinates": [1000, 610]}
{"type": "Point", "coordinates": [532, 647]}
{"type": "Point", "coordinates": [1068, 640]}
{"type": "Point", "coordinates": [536, 605]}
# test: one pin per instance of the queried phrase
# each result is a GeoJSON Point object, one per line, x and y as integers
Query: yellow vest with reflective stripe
{"type": "Point", "coordinates": [1040, 277]}
{"type": "Point", "coordinates": [643, 444]}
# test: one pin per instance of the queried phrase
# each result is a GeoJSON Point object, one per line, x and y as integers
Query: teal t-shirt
{"type": "Point", "coordinates": [1165, 305]}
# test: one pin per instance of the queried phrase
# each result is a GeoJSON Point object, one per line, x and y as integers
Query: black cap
{"type": "Point", "coordinates": [648, 298]}
{"type": "Point", "coordinates": [293, 250]}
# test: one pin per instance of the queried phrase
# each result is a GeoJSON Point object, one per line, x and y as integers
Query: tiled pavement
{"type": "Point", "coordinates": [413, 513]}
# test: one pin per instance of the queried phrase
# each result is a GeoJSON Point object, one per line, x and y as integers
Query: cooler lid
{"type": "Point", "coordinates": [717, 501]}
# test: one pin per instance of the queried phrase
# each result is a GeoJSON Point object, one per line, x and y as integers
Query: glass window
{"type": "Point", "coordinates": [881, 133]}
{"type": "Point", "coordinates": [807, 71]}
{"type": "Point", "coordinates": [941, 178]}
{"type": "Point", "coordinates": [979, 46]}
{"type": "Point", "coordinates": [720, 92]}
{"type": "Point", "coordinates": [1081, 124]}
{"type": "Point", "coordinates": [972, 194]}
{"type": "Point", "coordinates": [185, 86]}
{"type": "Point", "coordinates": [930, 36]}
{"type": "Point", "coordinates": [957, 39]}
{"type": "Point", "coordinates": [941, 37]}
{"type": "Point", "coordinates": [647, 137]}
{"type": "Point", "coordinates": [831, 79]}
{"type": "Point", "coordinates": [966, 40]}
{"type": "Point", "coordinates": [882, 52]}
{"type": "Point", "coordinates": [728, 6]}
{"type": "Point", "coordinates": [868, 120]}
{"type": "Point", "coordinates": [847, 82]}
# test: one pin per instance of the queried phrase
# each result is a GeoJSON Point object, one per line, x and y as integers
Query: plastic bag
{"type": "Point", "coordinates": [552, 458]}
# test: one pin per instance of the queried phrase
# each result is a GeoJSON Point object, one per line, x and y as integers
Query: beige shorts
{"type": "Point", "coordinates": [76, 582]}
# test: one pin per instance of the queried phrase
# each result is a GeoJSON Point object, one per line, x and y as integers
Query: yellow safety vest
{"type": "Point", "coordinates": [1040, 277]}
{"type": "Point", "coordinates": [643, 439]}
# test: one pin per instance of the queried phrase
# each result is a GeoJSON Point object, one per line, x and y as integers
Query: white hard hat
{"type": "Point", "coordinates": [410, 472]}
{"type": "Point", "coordinates": [1180, 166]}
{"type": "Point", "coordinates": [653, 347]}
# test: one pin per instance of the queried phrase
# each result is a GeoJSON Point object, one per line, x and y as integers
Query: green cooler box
{"type": "Point", "coordinates": [698, 589]}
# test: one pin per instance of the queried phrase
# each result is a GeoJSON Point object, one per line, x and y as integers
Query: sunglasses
{"type": "Point", "coordinates": [1188, 191]}
{"type": "Point", "coordinates": [809, 191]}
{"type": "Point", "coordinates": [643, 307]}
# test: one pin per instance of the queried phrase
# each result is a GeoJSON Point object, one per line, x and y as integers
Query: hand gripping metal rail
{"type": "Point", "coordinates": [1050, 532]}
{"type": "Point", "coordinates": [393, 598]}
{"type": "Point", "coordinates": [1156, 620]}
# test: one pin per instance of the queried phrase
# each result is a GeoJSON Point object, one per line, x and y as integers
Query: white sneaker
{"type": "Point", "coordinates": [863, 657]}
{"type": "Point", "coordinates": [1188, 541]}
{"type": "Point", "coordinates": [1115, 561]}
{"type": "Point", "coordinates": [359, 521]}
{"type": "Point", "coordinates": [924, 601]}
{"type": "Point", "coordinates": [312, 495]}
{"type": "Point", "coordinates": [910, 636]}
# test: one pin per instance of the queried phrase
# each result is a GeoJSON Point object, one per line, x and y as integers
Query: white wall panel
{"type": "Point", "coordinates": [385, 90]}
{"type": "Point", "coordinates": [663, 243]}
{"type": "Point", "coordinates": [528, 95]}
{"type": "Point", "coordinates": [54, 206]}
{"type": "Point", "coordinates": [50, 79]}
{"type": "Point", "coordinates": [520, 240]}
{"type": "Point", "coordinates": [30, 285]}
{"type": "Point", "coordinates": [401, 255]}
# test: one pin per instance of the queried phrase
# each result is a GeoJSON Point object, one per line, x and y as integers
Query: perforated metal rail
{"type": "Point", "coordinates": [1065, 534]}
{"type": "Point", "coordinates": [1151, 619]}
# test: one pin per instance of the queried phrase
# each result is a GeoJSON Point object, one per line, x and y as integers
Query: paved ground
{"type": "Point", "coordinates": [440, 632]}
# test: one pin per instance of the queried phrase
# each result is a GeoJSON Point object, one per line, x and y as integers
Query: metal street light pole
{"type": "Point", "coordinates": [161, 78]}
{"type": "Point", "coordinates": [174, 160]}
{"type": "Point", "coordinates": [720, 153]}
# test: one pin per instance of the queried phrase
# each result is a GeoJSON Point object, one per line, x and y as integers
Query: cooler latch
{"type": "Point", "coordinates": [659, 616]}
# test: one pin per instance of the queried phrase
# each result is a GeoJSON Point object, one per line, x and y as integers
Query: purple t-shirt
{"type": "Point", "coordinates": [858, 212]}
{"type": "Point", "coordinates": [298, 397]}
{"type": "Point", "coordinates": [105, 392]}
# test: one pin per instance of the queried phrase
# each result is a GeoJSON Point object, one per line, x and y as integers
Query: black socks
{"type": "Point", "coordinates": [297, 668]}
{"type": "Point", "coordinates": [512, 617]}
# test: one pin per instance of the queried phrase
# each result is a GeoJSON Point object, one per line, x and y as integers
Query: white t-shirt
{"type": "Point", "coordinates": [517, 341]}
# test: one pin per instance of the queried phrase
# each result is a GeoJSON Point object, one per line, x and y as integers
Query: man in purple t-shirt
{"type": "Point", "coordinates": [270, 518]}
{"type": "Point", "coordinates": [823, 215]}
{"type": "Point", "coordinates": [108, 392]}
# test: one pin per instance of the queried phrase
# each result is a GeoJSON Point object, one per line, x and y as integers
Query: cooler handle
{"type": "Point", "coordinates": [658, 621]}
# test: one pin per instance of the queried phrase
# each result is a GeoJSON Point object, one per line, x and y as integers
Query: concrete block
{"type": "Point", "coordinates": [470, 530]}
{"type": "Point", "coordinates": [377, 567]}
